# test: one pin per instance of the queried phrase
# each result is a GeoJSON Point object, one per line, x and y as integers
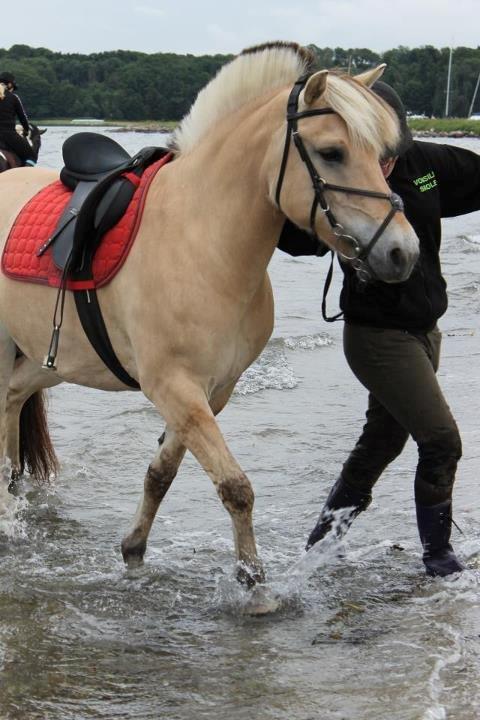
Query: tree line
{"type": "Point", "coordinates": [128, 85]}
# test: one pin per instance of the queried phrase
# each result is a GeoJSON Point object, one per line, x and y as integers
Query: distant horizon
{"type": "Point", "coordinates": [201, 54]}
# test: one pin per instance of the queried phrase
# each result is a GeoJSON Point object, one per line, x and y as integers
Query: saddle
{"type": "Point", "coordinates": [103, 177]}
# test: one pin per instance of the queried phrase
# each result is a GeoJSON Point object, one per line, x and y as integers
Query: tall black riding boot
{"type": "Point", "coordinates": [434, 526]}
{"type": "Point", "coordinates": [341, 496]}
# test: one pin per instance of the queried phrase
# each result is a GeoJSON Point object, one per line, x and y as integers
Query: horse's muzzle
{"type": "Point", "coordinates": [400, 265]}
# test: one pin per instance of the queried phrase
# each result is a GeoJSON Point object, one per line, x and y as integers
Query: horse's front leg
{"type": "Point", "coordinates": [159, 477]}
{"type": "Point", "coordinates": [186, 409]}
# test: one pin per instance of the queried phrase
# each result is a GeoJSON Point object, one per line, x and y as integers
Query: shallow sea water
{"type": "Point", "coordinates": [360, 634]}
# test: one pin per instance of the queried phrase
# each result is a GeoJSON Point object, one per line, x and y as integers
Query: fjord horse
{"type": "Point", "coordinates": [9, 160]}
{"type": "Point", "coordinates": [192, 306]}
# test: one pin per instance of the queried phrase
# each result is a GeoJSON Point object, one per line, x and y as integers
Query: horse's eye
{"type": "Point", "coordinates": [332, 155]}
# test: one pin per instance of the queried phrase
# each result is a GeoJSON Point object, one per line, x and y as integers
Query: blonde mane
{"type": "Point", "coordinates": [249, 75]}
{"type": "Point", "coordinates": [370, 121]}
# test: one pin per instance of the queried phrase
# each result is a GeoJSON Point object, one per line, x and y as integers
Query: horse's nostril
{"type": "Point", "coordinates": [397, 257]}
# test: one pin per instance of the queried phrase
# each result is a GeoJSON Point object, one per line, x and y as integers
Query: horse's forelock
{"type": "Point", "coordinates": [370, 121]}
{"type": "Point", "coordinates": [252, 73]}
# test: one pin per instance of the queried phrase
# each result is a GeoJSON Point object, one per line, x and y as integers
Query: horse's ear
{"type": "Point", "coordinates": [43, 131]}
{"type": "Point", "coordinates": [371, 76]}
{"type": "Point", "coordinates": [315, 87]}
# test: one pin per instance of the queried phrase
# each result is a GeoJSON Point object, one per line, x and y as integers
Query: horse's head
{"type": "Point", "coordinates": [330, 180]}
{"type": "Point", "coordinates": [323, 169]}
{"type": "Point", "coordinates": [35, 139]}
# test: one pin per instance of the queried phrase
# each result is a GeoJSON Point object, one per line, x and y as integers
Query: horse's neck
{"type": "Point", "coordinates": [240, 224]}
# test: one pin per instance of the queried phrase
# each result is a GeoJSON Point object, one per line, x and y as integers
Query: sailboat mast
{"type": "Point", "coordinates": [474, 96]}
{"type": "Point", "coordinates": [447, 101]}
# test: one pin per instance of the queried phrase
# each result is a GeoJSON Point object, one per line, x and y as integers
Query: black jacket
{"type": "Point", "coordinates": [434, 181]}
{"type": "Point", "coordinates": [11, 108]}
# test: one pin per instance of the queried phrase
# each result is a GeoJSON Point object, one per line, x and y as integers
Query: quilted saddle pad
{"type": "Point", "coordinates": [37, 221]}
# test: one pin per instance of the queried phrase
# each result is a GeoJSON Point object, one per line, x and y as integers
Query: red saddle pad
{"type": "Point", "coordinates": [38, 219]}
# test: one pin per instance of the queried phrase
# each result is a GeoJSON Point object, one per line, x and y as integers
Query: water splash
{"type": "Point", "coordinates": [271, 371]}
{"type": "Point", "coordinates": [13, 524]}
{"type": "Point", "coordinates": [327, 553]}
{"type": "Point", "coordinates": [308, 342]}
{"type": "Point", "coordinates": [436, 686]}
{"type": "Point", "coordinates": [472, 240]}
{"type": "Point", "coordinates": [286, 592]}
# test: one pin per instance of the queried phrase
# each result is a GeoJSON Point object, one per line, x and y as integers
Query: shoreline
{"type": "Point", "coordinates": [445, 133]}
{"type": "Point", "coordinates": [444, 127]}
{"type": "Point", "coordinates": [150, 128]}
{"type": "Point", "coordinates": [142, 126]}
{"type": "Point", "coordinates": [425, 128]}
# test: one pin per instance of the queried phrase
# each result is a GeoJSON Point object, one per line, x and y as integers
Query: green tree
{"type": "Point", "coordinates": [162, 86]}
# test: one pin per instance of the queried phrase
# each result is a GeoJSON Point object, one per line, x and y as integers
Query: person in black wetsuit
{"type": "Point", "coordinates": [392, 344]}
{"type": "Point", "coordinates": [11, 108]}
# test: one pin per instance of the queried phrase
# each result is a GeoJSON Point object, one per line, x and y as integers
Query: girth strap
{"type": "Point", "coordinates": [91, 317]}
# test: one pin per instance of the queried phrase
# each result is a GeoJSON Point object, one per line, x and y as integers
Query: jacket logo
{"type": "Point", "coordinates": [426, 182]}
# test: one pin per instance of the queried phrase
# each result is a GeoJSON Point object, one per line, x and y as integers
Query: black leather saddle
{"type": "Point", "coordinates": [95, 167]}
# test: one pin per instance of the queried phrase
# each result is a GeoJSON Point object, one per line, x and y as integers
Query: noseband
{"type": "Point", "coordinates": [358, 258]}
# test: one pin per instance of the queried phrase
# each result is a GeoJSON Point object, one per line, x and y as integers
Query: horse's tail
{"type": "Point", "coordinates": [36, 451]}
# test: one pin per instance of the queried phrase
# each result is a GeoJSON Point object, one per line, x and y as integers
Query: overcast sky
{"type": "Point", "coordinates": [223, 26]}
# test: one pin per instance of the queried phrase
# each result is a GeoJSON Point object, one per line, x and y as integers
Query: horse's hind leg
{"type": "Point", "coordinates": [7, 362]}
{"type": "Point", "coordinates": [188, 412]}
{"type": "Point", "coordinates": [28, 440]}
{"type": "Point", "coordinates": [159, 477]}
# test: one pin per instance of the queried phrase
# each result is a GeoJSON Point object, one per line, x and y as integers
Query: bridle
{"type": "Point", "coordinates": [358, 257]}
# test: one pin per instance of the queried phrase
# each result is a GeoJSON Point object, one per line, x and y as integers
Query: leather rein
{"type": "Point", "coordinates": [358, 258]}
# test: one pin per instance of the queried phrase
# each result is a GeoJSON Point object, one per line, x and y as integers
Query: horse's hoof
{"type": "Point", "coordinates": [133, 553]}
{"type": "Point", "coordinates": [261, 602]}
{"type": "Point", "coordinates": [250, 575]}
{"type": "Point", "coordinates": [133, 562]}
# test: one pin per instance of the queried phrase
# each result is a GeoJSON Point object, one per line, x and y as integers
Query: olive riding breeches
{"type": "Point", "coordinates": [398, 368]}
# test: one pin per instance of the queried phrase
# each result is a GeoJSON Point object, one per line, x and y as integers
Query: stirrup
{"type": "Point", "coordinates": [49, 361]}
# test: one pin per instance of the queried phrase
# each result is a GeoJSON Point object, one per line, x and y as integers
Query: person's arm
{"type": "Point", "coordinates": [295, 241]}
{"type": "Point", "coordinates": [458, 174]}
{"type": "Point", "coordinates": [21, 114]}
